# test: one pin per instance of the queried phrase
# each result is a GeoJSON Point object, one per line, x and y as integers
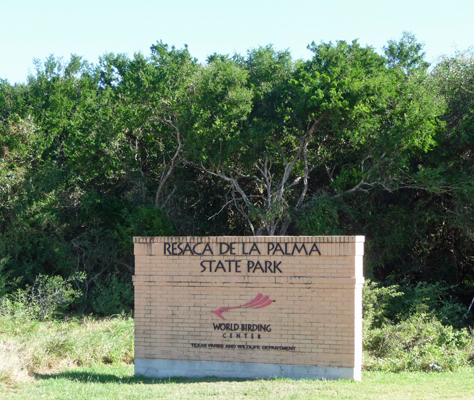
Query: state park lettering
{"type": "Point", "coordinates": [239, 249]}
{"type": "Point", "coordinates": [232, 265]}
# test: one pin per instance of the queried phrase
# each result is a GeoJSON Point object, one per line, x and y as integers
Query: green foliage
{"type": "Point", "coordinates": [222, 104]}
{"type": "Point", "coordinates": [319, 217]}
{"type": "Point", "coordinates": [395, 303]}
{"type": "Point", "coordinates": [48, 297]}
{"type": "Point", "coordinates": [28, 346]}
{"type": "Point", "coordinates": [349, 141]}
{"type": "Point", "coordinates": [406, 53]}
{"type": "Point", "coordinates": [419, 343]}
{"type": "Point", "coordinates": [429, 298]}
{"type": "Point", "coordinates": [414, 328]}
{"type": "Point", "coordinates": [343, 111]}
{"type": "Point", "coordinates": [142, 221]}
{"type": "Point", "coordinates": [112, 296]}
{"type": "Point", "coordinates": [51, 295]}
{"type": "Point", "coordinates": [375, 301]}
{"type": "Point", "coordinates": [5, 281]}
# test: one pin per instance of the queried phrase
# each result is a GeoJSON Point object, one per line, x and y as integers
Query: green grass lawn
{"type": "Point", "coordinates": [103, 347]}
{"type": "Point", "coordinates": [118, 382]}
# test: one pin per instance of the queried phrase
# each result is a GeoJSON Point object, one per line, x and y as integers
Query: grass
{"type": "Point", "coordinates": [91, 358]}
{"type": "Point", "coordinates": [28, 346]}
{"type": "Point", "coordinates": [106, 382]}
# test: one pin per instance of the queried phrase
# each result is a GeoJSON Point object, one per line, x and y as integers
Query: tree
{"type": "Point", "coordinates": [444, 177]}
{"type": "Point", "coordinates": [406, 54]}
{"type": "Point", "coordinates": [270, 129]}
{"type": "Point", "coordinates": [152, 96]}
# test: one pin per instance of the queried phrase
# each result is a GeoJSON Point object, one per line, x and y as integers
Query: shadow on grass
{"type": "Point", "coordinates": [97, 377]}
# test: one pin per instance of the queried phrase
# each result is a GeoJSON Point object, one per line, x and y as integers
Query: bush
{"type": "Point", "coordinates": [413, 328]}
{"type": "Point", "coordinates": [429, 298]}
{"type": "Point", "coordinates": [4, 275]}
{"type": "Point", "coordinates": [143, 221]}
{"type": "Point", "coordinates": [395, 303]}
{"type": "Point", "coordinates": [419, 343]}
{"type": "Point", "coordinates": [49, 296]}
{"type": "Point", "coordinates": [112, 296]}
{"type": "Point", "coordinates": [375, 301]}
{"type": "Point", "coordinates": [320, 217]}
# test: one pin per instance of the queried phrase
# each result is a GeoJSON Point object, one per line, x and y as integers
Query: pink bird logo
{"type": "Point", "coordinates": [259, 302]}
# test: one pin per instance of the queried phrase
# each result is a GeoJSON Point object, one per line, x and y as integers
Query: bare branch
{"type": "Point", "coordinates": [305, 177]}
{"type": "Point", "coordinates": [171, 167]}
{"type": "Point", "coordinates": [168, 198]}
{"type": "Point", "coordinates": [236, 188]}
{"type": "Point", "coordinates": [222, 209]}
{"type": "Point", "coordinates": [330, 172]}
{"type": "Point", "coordinates": [303, 146]}
{"type": "Point", "coordinates": [244, 214]}
{"type": "Point", "coordinates": [267, 176]}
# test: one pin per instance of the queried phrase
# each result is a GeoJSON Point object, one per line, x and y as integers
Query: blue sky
{"type": "Point", "coordinates": [37, 28]}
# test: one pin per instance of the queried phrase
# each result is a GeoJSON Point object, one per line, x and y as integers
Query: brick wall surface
{"type": "Point", "coordinates": [271, 300]}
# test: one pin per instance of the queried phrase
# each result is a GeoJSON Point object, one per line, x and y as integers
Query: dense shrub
{"type": "Point", "coordinates": [142, 221]}
{"type": "Point", "coordinates": [320, 216]}
{"type": "Point", "coordinates": [112, 296]}
{"type": "Point", "coordinates": [411, 328]}
{"type": "Point", "coordinates": [48, 297]}
{"type": "Point", "coordinates": [375, 302]}
{"type": "Point", "coordinates": [395, 303]}
{"type": "Point", "coordinates": [436, 299]}
{"type": "Point", "coordinates": [419, 343]}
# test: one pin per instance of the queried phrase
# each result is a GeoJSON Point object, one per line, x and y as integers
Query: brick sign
{"type": "Point", "coordinates": [253, 307]}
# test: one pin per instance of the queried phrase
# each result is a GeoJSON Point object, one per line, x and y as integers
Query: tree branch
{"type": "Point", "coordinates": [171, 167]}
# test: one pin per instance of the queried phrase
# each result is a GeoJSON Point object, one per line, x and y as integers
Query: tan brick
{"type": "Point", "coordinates": [314, 307]}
